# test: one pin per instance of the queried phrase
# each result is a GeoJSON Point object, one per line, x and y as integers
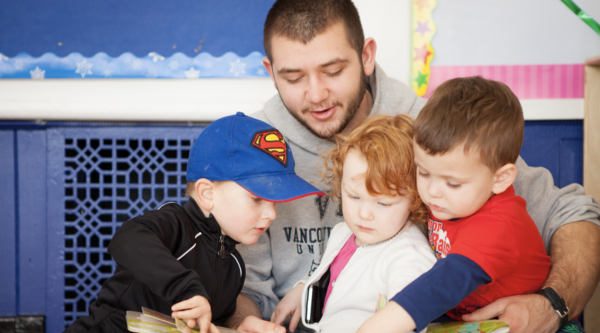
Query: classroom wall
{"type": "Point", "coordinates": [67, 185]}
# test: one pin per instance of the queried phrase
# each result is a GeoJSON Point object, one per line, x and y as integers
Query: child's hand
{"type": "Point", "coordinates": [291, 304]}
{"type": "Point", "coordinates": [195, 310]}
{"type": "Point", "coordinates": [253, 324]}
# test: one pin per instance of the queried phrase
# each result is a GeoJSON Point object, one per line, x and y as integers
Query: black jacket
{"type": "Point", "coordinates": [164, 257]}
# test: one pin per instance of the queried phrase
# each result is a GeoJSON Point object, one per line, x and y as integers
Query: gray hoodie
{"type": "Point", "coordinates": [291, 248]}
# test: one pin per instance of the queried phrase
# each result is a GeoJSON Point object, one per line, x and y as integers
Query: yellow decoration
{"type": "Point", "coordinates": [423, 29]}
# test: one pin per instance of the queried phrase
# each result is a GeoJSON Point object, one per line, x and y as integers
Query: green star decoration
{"type": "Point", "coordinates": [421, 79]}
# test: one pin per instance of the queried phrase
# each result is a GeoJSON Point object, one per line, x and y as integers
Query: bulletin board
{"type": "Point", "coordinates": [537, 47]}
{"type": "Point", "coordinates": [132, 39]}
{"type": "Point", "coordinates": [155, 60]}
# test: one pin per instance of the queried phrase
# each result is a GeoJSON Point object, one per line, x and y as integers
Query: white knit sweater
{"type": "Point", "coordinates": [384, 268]}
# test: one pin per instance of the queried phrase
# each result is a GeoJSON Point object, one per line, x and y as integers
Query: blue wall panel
{"type": "Point", "coordinates": [8, 264]}
{"type": "Point", "coordinates": [115, 27]}
{"type": "Point", "coordinates": [570, 168]}
{"type": "Point", "coordinates": [55, 277]}
{"type": "Point", "coordinates": [32, 221]}
{"type": "Point", "coordinates": [557, 146]}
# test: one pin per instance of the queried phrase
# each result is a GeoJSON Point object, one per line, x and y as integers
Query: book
{"type": "Point", "coordinates": [150, 321]}
{"type": "Point", "coordinates": [488, 326]}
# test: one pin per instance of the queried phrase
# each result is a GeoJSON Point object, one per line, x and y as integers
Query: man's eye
{"type": "Point", "coordinates": [336, 73]}
{"type": "Point", "coordinates": [293, 80]}
{"type": "Point", "coordinates": [256, 199]}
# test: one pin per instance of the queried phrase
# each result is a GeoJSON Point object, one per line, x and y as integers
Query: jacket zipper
{"type": "Point", "coordinates": [222, 254]}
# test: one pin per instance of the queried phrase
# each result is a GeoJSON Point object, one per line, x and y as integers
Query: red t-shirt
{"type": "Point", "coordinates": [503, 240]}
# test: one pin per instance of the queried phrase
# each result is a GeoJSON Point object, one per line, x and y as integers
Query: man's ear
{"type": "Point", "coordinates": [204, 190]}
{"type": "Point", "coordinates": [504, 177]}
{"type": "Point", "coordinates": [368, 55]}
{"type": "Point", "coordinates": [267, 63]}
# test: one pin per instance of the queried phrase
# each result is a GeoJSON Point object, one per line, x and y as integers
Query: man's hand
{"type": "Point", "coordinates": [252, 324]}
{"type": "Point", "coordinates": [195, 310]}
{"type": "Point", "coordinates": [574, 275]}
{"type": "Point", "coordinates": [291, 304]}
{"type": "Point", "coordinates": [523, 313]}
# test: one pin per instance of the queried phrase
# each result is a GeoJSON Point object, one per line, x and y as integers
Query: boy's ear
{"type": "Point", "coordinates": [204, 191]}
{"type": "Point", "coordinates": [504, 177]}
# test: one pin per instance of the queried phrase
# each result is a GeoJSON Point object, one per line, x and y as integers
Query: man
{"type": "Point", "coordinates": [328, 82]}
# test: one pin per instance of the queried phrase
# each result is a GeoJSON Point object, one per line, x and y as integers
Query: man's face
{"type": "Point", "coordinates": [322, 83]}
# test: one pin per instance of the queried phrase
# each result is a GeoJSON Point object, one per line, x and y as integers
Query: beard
{"type": "Point", "coordinates": [349, 111]}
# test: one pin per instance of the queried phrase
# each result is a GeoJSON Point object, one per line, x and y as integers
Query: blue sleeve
{"type": "Point", "coordinates": [440, 289]}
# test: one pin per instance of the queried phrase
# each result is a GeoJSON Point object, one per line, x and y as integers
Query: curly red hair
{"type": "Point", "coordinates": [386, 142]}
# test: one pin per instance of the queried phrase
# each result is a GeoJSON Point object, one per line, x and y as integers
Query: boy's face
{"type": "Point", "coordinates": [321, 83]}
{"type": "Point", "coordinates": [241, 215]}
{"type": "Point", "coordinates": [372, 219]}
{"type": "Point", "coordinates": [454, 184]}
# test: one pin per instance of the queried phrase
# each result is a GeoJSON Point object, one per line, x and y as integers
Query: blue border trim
{"type": "Point", "coordinates": [127, 65]}
{"type": "Point", "coordinates": [55, 276]}
{"type": "Point", "coordinates": [32, 221]}
{"type": "Point", "coordinates": [17, 221]}
{"type": "Point", "coordinates": [8, 259]}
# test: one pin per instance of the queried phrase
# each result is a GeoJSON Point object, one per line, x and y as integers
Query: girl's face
{"type": "Point", "coordinates": [372, 219]}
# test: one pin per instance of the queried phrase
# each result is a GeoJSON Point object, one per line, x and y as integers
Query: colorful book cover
{"type": "Point", "coordinates": [150, 321]}
{"type": "Point", "coordinates": [495, 326]}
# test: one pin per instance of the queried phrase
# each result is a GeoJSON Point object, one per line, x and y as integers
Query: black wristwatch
{"type": "Point", "coordinates": [557, 303]}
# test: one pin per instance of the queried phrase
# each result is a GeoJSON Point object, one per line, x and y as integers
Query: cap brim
{"type": "Point", "coordinates": [279, 188]}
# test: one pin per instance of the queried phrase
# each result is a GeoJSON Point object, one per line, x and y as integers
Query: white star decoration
{"type": "Point", "coordinates": [84, 68]}
{"type": "Point", "coordinates": [37, 73]}
{"type": "Point", "coordinates": [156, 57]}
{"type": "Point", "coordinates": [192, 73]}
{"type": "Point", "coordinates": [107, 72]}
{"type": "Point", "coordinates": [174, 64]}
{"type": "Point", "coordinates": [237, 67]}
{"type": "Point", "coordinates": [260, 72]}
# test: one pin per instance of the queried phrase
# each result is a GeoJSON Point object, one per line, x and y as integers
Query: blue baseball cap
{"type": "Point", "coordinates": [251, 153]}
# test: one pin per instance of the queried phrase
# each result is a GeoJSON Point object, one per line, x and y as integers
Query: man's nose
{"type": "Point", "coordinates": [316, 92]}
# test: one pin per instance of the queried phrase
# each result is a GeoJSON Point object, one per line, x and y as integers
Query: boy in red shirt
{"type": "Point", "coordinates": [466, 141]}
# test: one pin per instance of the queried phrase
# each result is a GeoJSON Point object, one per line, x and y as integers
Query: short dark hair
{"type": "Point", "coordinates": [302, 20]}
{"type": "Point", "coordinates": [483, 114]}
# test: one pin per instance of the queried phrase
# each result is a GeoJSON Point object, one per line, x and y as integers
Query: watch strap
{"type": "Point", "coordinates": [558, 304]}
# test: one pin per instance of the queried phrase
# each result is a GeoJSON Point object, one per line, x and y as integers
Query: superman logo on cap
{"type": "Point", "coordinates": [272, 143]}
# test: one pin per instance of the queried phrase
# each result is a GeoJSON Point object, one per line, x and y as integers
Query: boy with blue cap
{"type": "Point", "coordinates": [182, 259]}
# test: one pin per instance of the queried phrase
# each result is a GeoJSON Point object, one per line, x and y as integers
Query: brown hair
{"type": "Point", "coordinates": [387, 145]}
{"type": "Point", "coordinates": [485, 115]}
{"type": "Point", "coordinates": [302, 20]}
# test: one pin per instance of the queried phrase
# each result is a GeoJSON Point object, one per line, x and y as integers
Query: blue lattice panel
{"type": "Point", "coordinates": [110, 176]}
